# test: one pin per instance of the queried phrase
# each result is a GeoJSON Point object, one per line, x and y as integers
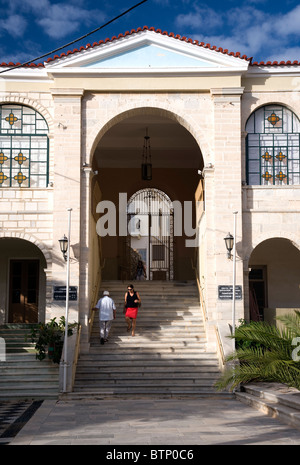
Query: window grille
{"type": "Point", "coordinates": [272, 147]}
{"type": "Point", "coordinates": [24, 147]}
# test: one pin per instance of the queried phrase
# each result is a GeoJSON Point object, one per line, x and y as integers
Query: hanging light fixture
{"type": "Point", "coordinates": [146, 162]}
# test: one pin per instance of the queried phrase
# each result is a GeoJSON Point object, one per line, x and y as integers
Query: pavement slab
{"type": "Point", "coordinates": [197, 421]}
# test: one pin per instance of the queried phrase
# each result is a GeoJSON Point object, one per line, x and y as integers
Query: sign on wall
{"type": "Point", "coordinates": [60, 293]}
{"type": "Point", "coordinates": [226, 292]}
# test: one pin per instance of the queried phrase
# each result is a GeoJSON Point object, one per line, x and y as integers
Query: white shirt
{"type": "Point", "coordinates": [106, 308]}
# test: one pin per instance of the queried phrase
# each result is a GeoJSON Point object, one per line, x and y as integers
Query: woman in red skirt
{"type": "Point", "coordinates": [132, 302]}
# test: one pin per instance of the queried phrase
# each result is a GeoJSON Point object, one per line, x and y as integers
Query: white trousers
{"type": "Point", "coordinates": [105, 328]}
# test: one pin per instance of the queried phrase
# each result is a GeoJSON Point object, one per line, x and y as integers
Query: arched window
{"type": "Point", "coordinates": [24, 150]}
{"type": "Point", "coordinates": [272, 146]}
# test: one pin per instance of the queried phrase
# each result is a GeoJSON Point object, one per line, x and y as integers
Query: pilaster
{"type": "Point", "coordinates": [224, 197]}
{"type": "Point", "coordinates": [67, 171]}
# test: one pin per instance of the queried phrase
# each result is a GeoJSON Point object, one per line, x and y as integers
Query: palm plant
{"type": "Point", "coordinates": [265, 353]}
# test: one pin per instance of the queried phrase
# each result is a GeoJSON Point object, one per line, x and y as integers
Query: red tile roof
{"type": "Point", "coordinates": [158, 31]}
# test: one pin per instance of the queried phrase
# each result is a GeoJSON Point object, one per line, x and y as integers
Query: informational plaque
{"type": "Point", "coordinates": [226, 292]}
{"type": "Point", "coordinates": [60, 293]}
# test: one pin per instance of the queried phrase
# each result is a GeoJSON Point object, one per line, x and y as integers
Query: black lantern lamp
{"type": "Point", "coordinates": [146, 163]}
{"type": "Point", "coordinates": [63, 243]}
{"type": "Point", "coordinates": [229, 241]}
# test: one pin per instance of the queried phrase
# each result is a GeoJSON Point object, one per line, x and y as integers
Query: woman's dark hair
{"type": "Point", "coordinates": [131, 286]}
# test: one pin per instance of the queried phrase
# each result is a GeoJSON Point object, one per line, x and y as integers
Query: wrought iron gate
{"type": "Point", "coordinates": [150, 238]}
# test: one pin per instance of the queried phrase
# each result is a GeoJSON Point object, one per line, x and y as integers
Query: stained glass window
{"type": "Point", "coordinates": [272, 146]}
{"type": "Point", "coordinates": [24, 149]}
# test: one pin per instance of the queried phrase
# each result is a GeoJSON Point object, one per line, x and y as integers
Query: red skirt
{"type": "Point", "coordinates": [131, 312]}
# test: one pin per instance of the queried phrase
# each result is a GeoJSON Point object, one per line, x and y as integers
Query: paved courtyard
{"type": "Point", "coordinates": [180, 422]}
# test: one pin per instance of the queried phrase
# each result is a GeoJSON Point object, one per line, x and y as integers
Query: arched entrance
{"type": "Point", "coordinates": [150, 238]}
{"type": "Point", "coordinates": [23, 282]}
{"type": "Point", "coordinates": [176, 162]}
{"type": "Point", "coordinates": [274, 279]}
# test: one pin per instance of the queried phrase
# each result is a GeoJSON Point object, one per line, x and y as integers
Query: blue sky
{"type": "Point", "coordinates": [262, 29]}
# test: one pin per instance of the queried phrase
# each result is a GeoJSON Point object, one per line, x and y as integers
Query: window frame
{"type": "Point", "coordinates": [17, 147]}
{"type": "Point", "coordinates": [278, 158]}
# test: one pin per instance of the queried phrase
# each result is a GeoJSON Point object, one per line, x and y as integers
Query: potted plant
{"type": "Point", "coordinates": [49, 339]}
{"type": "Point", "coordinates": [265, 353]}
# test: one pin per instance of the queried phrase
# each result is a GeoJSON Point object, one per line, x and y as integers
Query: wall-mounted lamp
{"type": "Point", "coordinates": [63, 243]}
{"type": "Point", "coordinates": [229, 242]}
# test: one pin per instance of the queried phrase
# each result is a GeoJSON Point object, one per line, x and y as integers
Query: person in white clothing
{"type": "Point", "coordinates": [107, 313]}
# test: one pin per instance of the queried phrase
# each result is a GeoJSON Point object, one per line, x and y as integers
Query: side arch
{"type": "Point", "coordinates": [20, 235]}
{"type": "Point", "coordinates": [293, 238]}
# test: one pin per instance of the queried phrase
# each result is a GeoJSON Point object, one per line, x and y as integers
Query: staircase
{"type": "Point", "coordinates": [167, 356]}
{"type": "Point", "coordinates": [22, 376]}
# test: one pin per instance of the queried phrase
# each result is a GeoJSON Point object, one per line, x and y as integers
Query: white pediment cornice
{"type": "Point", "coordinates": [146, 52]}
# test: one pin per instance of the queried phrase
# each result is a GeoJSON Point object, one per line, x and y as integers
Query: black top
{"type": "Point", "coordinates": [130, 300]}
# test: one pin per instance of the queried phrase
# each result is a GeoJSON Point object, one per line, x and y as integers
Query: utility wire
{"type": "Point", "coordinates": [76, 40]}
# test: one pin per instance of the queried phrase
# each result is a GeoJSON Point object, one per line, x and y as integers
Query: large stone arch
{"type": "Point", "coordinates": [166, 111]}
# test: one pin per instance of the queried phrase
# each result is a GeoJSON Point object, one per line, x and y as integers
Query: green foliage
{"type": "Point", "coordinates": [49, 337]}
{"type": "Point", "coordinates": [264, 353]}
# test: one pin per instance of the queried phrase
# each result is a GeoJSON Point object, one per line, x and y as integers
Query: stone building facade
{"type": "Point", "coordinates": [225, 138]}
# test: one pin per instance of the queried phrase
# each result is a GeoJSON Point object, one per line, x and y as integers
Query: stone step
{"type": "Point", "coordinates": [98, 394]}
{"type": "Point", "coordinates": [273, 399]}
{"type": "Point", "coordinates": [155, 331]}
{"type": "Point", "coordinates": [149, 347]}
{"type": "Point", "coordinates": [146, 382]}
{"type": "Point", "coordinates": [150, 378]}
{"type": "Point", "coordinates": [96, 354]}
{"type": "Point", "coordinates": [145, 354]}
{"type": "Point", "coordinates": [128, 340]}
{"type": "Point", "coordinates": [119, 370]}
{"type": "Point", "coordinates": [188, 342]}
{"type": "Point", "coordinates": [29, 392]}
{"type": "Point", "coordinates": [22, 376]}
{"type": "Point", "coordinates": [142, 391]}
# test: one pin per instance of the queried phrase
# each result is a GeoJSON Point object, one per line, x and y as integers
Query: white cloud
{"type": "Point", "coordinates": [246, 29]}
{"type": "Point", "coordinates": [200, 17]}
{"type": "Point", "coordinates": [285, 54]}
{"type": "Point", "coordinates": [14, 25]}
{"type": "Point", "coordinates": [56, 19]}
{"type": "Point", "coordinates": [62, 19]}
{"type": "Point", "coordinates": [288, 24]}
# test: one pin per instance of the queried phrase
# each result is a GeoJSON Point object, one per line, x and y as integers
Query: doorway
{"type": "Point", "coordinates": [150, 237]}
{"type": "Point", "coordinates": [258, 292]}
{"type": "Point", "coordinates": [23, 291]}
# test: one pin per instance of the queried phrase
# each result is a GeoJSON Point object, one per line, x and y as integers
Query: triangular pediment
{"type": "Point", "coordinates": [150, 56]}
{"type": "Point", "coordinates": [147, 51]}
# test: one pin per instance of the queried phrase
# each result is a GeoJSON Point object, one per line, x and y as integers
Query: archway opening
{"type": "Point", "coordinates": [176, 161]}
{"type": "Point", "coordinates": [274, 279]}
{"type": "Point", "coordinates": [23, 282]}
{"type": "Point", "coordinates": [150, 239]}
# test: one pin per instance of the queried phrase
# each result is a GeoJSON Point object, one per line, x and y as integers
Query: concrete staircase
{"type": "Point", "coordinates": [22, 376]}
{"type": "Point", "coordinates": [168, 355]}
